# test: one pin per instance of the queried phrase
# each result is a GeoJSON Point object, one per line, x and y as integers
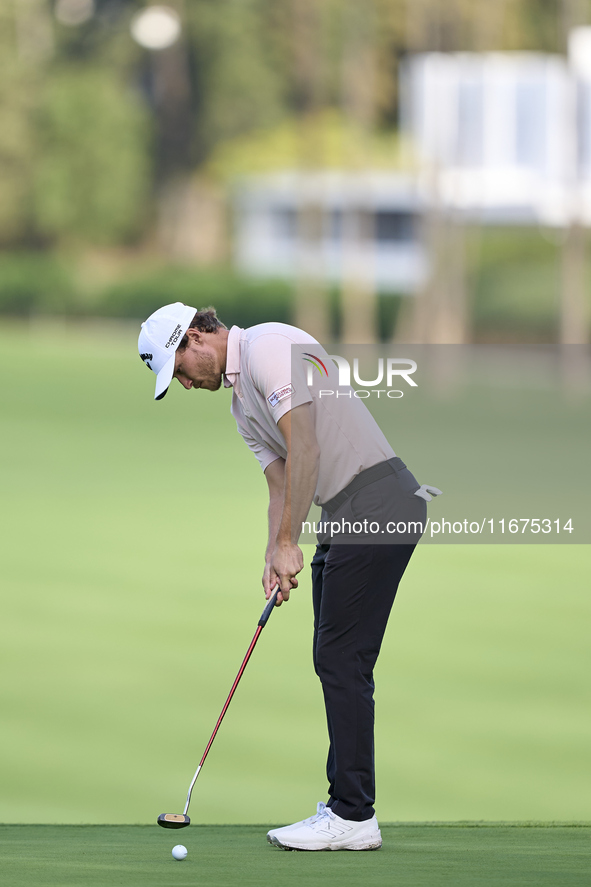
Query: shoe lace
{"type": "Point", "coordinates": [322, 812]}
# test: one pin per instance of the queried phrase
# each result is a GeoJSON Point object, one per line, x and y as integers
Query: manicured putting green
{"type": "Point", "coordinates": [223, 856]}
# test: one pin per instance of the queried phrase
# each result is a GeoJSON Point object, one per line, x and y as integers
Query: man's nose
{"type": "Point", "coordinates": [186, 383]}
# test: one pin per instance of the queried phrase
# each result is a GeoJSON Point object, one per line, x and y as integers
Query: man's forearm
{"type": "Point", "coordinates": [275, 514]}
{"type": "Point", "coordinates": [275, 475]}
{"type": "Point", "coordinates": [301, 475]}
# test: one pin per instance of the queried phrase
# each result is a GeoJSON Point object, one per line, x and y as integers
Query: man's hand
{"type": "Point", "coordinates": [270, 580]}
{"type": "Point", "coordinates": [286, 562]}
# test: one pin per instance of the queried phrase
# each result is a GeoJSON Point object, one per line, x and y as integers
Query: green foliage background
{"type": "Point", "coordinates": [92, 178]}
{"type": "Point", "coordinates": [514, 283]}
{"type": "Point", "coordinates": [78, 161]}
{"type": "Point", "coordinates": [81, 172]}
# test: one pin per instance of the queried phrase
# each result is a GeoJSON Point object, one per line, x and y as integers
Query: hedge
{"type": "Point", "coordinates": [238, 300]}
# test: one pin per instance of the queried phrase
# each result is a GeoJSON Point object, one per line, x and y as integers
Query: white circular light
{"type": "Point", "coordinates": [74, 12]}
{"type": "Point", "coordinates": [156, 27]}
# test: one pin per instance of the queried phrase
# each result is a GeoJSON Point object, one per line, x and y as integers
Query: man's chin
{"type": "Point", "coordinates": [211, 384]}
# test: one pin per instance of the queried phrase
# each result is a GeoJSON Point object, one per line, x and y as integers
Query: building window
{"type": "Point", "coordinates": [530, 107]}
{"type": "Point", "coordinates": [395, 227]}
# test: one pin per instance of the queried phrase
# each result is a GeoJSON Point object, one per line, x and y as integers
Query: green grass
{"type": "Point", "coordinates": [132, 539]}
{"type": "Point", "coordinates": [222, 856]}
{"type": "Point", "coordinates": [515, 282]}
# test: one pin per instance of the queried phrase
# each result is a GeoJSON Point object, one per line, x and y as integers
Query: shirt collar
{"type": "Point", "coordinates": [232, 357]}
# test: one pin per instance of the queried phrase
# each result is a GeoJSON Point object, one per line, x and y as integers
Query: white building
{"type": "Point", "coordinates": [267, 212]}
{"type": "Point", "coordinates": [502, 138]}
{"type": "Point", "coordinates": [506, 136]}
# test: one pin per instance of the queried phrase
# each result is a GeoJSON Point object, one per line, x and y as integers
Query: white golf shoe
{"type": "Point", "coordinates": [327, 831]}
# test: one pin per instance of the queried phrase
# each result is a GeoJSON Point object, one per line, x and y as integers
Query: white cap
{"type": "Point", "coordinates": [159, 339]}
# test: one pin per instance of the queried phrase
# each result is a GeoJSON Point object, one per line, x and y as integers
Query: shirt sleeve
{"type": "Point", "coordinates": [263, 454]}
{"type": "Point", "coordinates": [279, 373]}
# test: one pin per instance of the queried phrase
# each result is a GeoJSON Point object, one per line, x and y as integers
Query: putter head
{"type": "Point", "coordinates": [173, 820]}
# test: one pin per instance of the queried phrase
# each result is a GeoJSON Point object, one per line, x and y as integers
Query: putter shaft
{"type": "Point", "coordinates": [262, 622]}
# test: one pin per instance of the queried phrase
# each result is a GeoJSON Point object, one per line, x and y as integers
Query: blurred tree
{"type": "Point", "coordinates": [92, 174]}
{"type": "Point", "coordinates": [438, 312]}
{"type": "Point", "coordinates": [24, 48]}
{"type": "Point", "coordinates": [16, 154]}
{"type": "Point", "coordinates": [358, 293]}
{"type": "Point", "coordinates": [170, 89]}
{"type": "Point", "coordinates": [216, 82]}
{"type": "Point", "coordinates": [240, 76]}
{"type": "Point", "coordinates": [83, 159]}
{"type": "Point", "coordinates": [74, 151]}
{"type": "Point", "coordinates": [308, 54]}
{"type": "Point", "coordinates": [279, 148]}
{"type": "Point", "coordinates": [574, 296]}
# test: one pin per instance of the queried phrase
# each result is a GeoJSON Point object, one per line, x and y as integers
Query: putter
{"type": "Point", "coordinates": [180, 820]}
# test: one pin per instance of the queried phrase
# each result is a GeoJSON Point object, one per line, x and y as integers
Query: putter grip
{"type": "Point", "coordinates": [268, 610]}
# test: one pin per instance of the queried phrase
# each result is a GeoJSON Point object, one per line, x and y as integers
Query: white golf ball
{"type": "Point", "coordinates": [179, 852]}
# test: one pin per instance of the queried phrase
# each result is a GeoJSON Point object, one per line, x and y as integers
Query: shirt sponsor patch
{"type": "Point", "coordinates": [280, 394]}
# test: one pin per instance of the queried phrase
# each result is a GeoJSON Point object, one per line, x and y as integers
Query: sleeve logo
{"type": "Point", "coordinates": [280, 394]}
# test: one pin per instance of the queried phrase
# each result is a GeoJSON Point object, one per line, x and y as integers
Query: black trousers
{"type": "Point", "coordinates": [354, 587]}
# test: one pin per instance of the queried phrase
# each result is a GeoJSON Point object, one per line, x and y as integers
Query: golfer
{"type": "Point", "coordinates": [315, 442]}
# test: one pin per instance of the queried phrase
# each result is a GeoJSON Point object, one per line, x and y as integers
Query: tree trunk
{"type": "Point", "coordinates": [192, 221]}
{"type": "Point", "coordinates": [574, 297]}
{"type": "Point", "coordinates": [574, 301]}
{"type": "Point", "coordinates": [358, 291]}
{"type": "Point", "coordinates": [312, 310]}
{"type": "Point", "coordinates": [438, 312]}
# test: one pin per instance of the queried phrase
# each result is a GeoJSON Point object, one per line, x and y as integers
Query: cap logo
{"type": "Point", "coordinates": [178, 331]}
{"type": "Point", "coordinates": [146, 358]}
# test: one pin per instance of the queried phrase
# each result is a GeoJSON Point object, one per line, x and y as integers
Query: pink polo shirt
{"type": "Point", "coordinates": [273, 368]}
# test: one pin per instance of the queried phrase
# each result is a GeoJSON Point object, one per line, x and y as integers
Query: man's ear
{"type": "Point", "coordinates": [195, 336]}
